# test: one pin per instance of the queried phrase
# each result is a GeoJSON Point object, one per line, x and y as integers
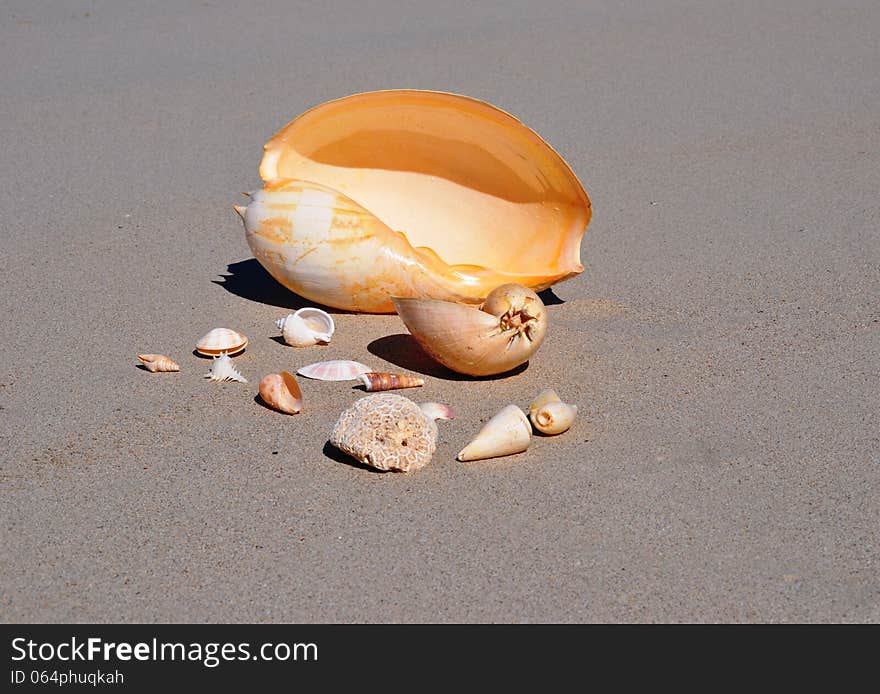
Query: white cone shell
{"type": "Point", "coordinates": [508, 432]}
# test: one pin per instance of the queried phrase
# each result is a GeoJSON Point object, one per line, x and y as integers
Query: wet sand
{"type": "Point", "coordinates": [722, 342]}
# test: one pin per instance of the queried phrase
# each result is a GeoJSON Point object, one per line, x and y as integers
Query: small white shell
{"type": "Point", "coordinates": [334, 370]}
{"type": "Point", "coordinates": [220, 341]}
{"type": "Point", "coordinates": [553, 417]}
{"type": "Point", "coordinates": [308, 326]}
{"type": "Point", "coordinates": [508, 432]}
{"type": "Point", "coordinates": [222, 369]}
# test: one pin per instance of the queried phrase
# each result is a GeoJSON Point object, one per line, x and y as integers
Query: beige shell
{"type": "Point", "coordinates": [508, 432]}
{"type": "Point", "coordinates": [158, 362]}
{"type": "Point", "coordinates": [413, 194]}
{"type": "Point", "coordinates": [308, 326]}
{"type": "Point", "coordinates": [550, 415]}
{"type": "Point", "coordinates": [221, 341]}
{"type": "Point", "coordinates": [504, 333]}
{"type": "Point", "coordinates": [281, 392]}
{"type": "Point", "coordinates": [373, 381]}
{"type": "Point", "coordinates": [386, 431]}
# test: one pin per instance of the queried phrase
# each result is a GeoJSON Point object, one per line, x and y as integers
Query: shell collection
{"type": "Point", "coordinates": [341, 221]}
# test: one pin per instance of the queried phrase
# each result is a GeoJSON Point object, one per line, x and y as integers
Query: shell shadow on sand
{"type": "Point", "coordinates": [249, 280]}
{"type": "Point", "coordinates": [338, 456]}
{"type": "Point", "coordinates": [402, 350]}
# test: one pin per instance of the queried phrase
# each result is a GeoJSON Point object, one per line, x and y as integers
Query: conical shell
{"type": "Point", "coordinates": [553, 417]}
{"type": "Point", "coordinates": [386, 431]}
{"type": "Point", "coordinates": [222, 369]}
{"type": "Point", "coordinates": [158, 362]}
{"type": "Point", "coordinates": [307, 327]}
{"type": "Point", "coordinates": [373, 381]}
{"type": "Point", "coordinates": [473, 341]}
{"type": "Point", "coordinates": [334, 370]}
{"type": "Point", "coordinates": [545, 396]}
{"type": "Point", "coordinates": [220, 341]}
{"type": "Point", "coordinates": [282, 392]}
{"type": "Point", "coordinates": [413, 194]}
{"type": "Point", "coordinates": [508, 432]}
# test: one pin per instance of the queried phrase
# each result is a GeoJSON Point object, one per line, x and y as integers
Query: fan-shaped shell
{"type": "Point", "coordinates": [334, 370]}
{"type": "Point", "coordinates": [220, 341]}
{"type": "Point", "coordinates": [413, 194]}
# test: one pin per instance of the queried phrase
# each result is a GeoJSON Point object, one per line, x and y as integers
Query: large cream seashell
{"type": "Point", "coordinates": [307, 327]}
{"type": "Point", "coordinates": [334, 370]}
{"type": "Point", "coordinates": [508, 432]}
{"type": "Point", "coordinates": [282, 392]}
{"type": "Point", "coordinates": [158, 362]}
{"type": "Point", "coordinates": [220, 341]}
{"type": "Point", "coordinates": [413, 194]}
{"type": "Point", "coordinates": [505, 333]}
{"type": "Point", "coordinates": [222, 369]}
{"type": "Point", "coordinates": [388, 432]}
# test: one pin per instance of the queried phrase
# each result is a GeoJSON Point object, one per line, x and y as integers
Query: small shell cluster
{"type": "Point", "coordinates": [510, 432]}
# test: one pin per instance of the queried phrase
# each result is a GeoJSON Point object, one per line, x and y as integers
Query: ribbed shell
{"type": "Point", "coordinates": [221, 340]}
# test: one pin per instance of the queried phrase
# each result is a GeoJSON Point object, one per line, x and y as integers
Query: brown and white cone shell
{"type": "Point", "coordinates": [373, 381]}
{"type": "Point", "coordinates": [386, 431]}
{"type": "Point", "coordinates": [281, 392]}
{"type": "Point", "coordinates": [500, 336]}
{"type": "Point", "coordinates": [221, 340]}
{"type": "Point", "coordinates": [508, 432]}
{"type": "Point", "coordinates": [553, 417]}
{"type": "Point", "coordinates": [158, 362]}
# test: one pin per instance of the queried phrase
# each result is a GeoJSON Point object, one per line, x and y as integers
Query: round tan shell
{"type": "Point", "coordinates": [413, 194]}
{"type": "Point", "coordinates": [476, 342]}
{"type": "Point", "coordinates": [282, 392]}
{"type": "Point", "coordinates": [220, 340]}
{"type": "Point", "coordinates": [553, 417]}
{"type": "Point", "coordinates": [386, 431]}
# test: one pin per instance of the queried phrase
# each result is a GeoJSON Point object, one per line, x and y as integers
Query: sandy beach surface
{"type": "Point", "coordinates": [722, 343]}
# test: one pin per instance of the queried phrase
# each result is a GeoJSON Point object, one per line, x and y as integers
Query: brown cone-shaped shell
{"type": "Point", "coordinates": [281, 392]}
{"type": "Point", "coordinates": [374, 381]}
{"type": "Point", "coordinates": [158, 362]}
{"type": "Point", "coordinates": [476, 342]}
{"type": "Point", "coordinates": [386, 431]}
{"type": "Point", "coordinates": [413, 194]}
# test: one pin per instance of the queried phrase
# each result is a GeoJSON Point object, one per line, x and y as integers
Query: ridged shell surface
{"type": "Point", "coordinates": [334, 370]}
{"type": "Point", "coordinates": [387, 432]}
{"type": "Point", "coordinates": [220, 340]}
{"type": "Point", "coordinates": [413, 194]}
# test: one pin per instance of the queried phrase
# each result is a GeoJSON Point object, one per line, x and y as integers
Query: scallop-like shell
{"type": "Point", "coordinates": [282, 392]}
{"type": "Point", "coordinates": [505, 333]}
{"type": "Point", "coordinates": [386, 431]}
{"type": "Point", "coordinates": [222, 369]}
{"type": "Point", "coordinates": [220, 341]}
{"type": "Point", "coordinates": [413, 194]}
{"type": "Point", "coordinates": [373, 381]}
{"type": "Point", "coordinates": [158, 362]}
{"type": "Point", "coordinates": [508, 432]}
{"type": "Point", "coordinates": [308, 326]}
{"type": "Point", "coordinates": [334, 370]}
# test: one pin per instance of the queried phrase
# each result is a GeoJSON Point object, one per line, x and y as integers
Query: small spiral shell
{"type": "Point", "coordinates": [374, 381]}
{"type": "Point", "coordinates": [158, 362]}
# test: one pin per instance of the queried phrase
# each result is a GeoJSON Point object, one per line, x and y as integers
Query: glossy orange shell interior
{"type": "Point", "coordinates": [454, 174]}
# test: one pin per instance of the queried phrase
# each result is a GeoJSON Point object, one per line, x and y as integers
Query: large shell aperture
{"type": "Point", "coordinates": [413, 194]}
